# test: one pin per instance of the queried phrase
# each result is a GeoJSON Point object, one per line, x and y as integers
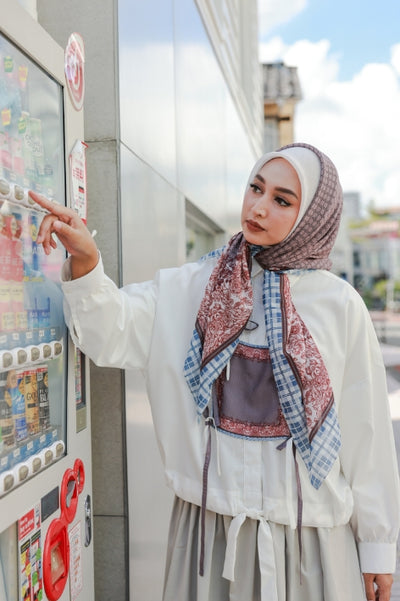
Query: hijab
{"type": "Point", "coordinates": [310, 241]}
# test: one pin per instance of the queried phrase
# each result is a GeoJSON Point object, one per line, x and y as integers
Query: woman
{"type": "Point", "coordinates": [268, 395]}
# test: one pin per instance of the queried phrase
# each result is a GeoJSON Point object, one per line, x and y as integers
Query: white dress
{"type": "Point", "coordinates": [250, 537]}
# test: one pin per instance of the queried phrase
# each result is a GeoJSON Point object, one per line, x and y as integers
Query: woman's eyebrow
{"type": "Point", "coordinates": [279, 188]}
{"type": "Point", "coordinates": [286, 191]}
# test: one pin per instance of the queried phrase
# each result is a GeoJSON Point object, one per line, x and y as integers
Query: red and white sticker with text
{"type": "Point", "coordinates": [77, 166]}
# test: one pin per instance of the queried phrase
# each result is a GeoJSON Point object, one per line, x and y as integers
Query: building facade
{"type": "Point", "coordinates": [281, 92]}
{"type": "Point", "coordinates": [376, 253]}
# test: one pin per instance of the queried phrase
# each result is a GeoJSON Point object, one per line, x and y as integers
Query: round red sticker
{"type": "Point", "coordinates": [74, 69]}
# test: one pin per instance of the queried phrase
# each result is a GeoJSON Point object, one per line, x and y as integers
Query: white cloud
{"type": "Point", "coordinates": [272, 50]}
{"type": "Point", "coordinates": [396, 57]}
{"type": "Point", "coordinates": [272, 13]}
{"type": "Point", "coordinates": [355, 122]}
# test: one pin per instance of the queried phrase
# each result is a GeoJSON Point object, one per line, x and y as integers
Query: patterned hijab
{"type": "Point", "coordinates": [310, 242]}
{"type": "Point", "coordinates": [307, 404]}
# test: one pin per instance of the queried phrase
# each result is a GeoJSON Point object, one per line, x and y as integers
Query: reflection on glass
{"type": "Point", "coordinates": [146, 82]}
{"type": "Point", "coordinates": [202, 234]}
{"type": "Point", "coordinates": [32, 330]}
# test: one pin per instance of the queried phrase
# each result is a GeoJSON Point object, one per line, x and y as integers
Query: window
{"type": "Point", "coordinates": [202, 233]}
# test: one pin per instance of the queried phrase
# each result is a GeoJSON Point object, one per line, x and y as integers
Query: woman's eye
{"type": "Point", "coordinates": [282, 202]}
{"type": "Point", "coordinates": [255, 188]}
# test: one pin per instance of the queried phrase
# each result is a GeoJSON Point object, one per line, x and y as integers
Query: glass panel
{"type": "Point", "coordinates": [32, 330]}
{"type": "Point", "coordinates": [152, 220]}
{"type": "Point", "coordinates": [200, 114]}
{"type": "Point", "coordinates": [146, 82]}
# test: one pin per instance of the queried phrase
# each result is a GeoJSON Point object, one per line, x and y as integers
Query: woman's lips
{"type": "Point", "coordinates": [254, 226]}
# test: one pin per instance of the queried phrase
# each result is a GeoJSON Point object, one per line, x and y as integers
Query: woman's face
{"type": "Point", "coordinates": [271, 204]}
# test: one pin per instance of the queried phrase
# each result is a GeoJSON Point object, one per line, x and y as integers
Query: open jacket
{"type": "Point", "coordinates": [148, 326]}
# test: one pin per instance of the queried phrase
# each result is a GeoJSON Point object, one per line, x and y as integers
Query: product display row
{"type": "Point", "coordinates": [29, 156]}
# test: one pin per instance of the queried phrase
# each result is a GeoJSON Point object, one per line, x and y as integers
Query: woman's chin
{"type": "Point", "coordinates": [255, 239]}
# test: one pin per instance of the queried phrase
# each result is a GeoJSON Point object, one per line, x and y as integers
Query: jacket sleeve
{"type": "Point", "coordinates": [112, 326]}
{"type": "Point", "coordinates": [368, 455]}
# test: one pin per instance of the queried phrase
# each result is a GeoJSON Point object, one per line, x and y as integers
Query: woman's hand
{"type": "Point", "coordinates": [382, 590]}
{"type": "Point", "coordinates": [72, 233]}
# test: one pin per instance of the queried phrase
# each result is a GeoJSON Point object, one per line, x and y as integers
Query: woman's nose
{"type": "Point", "coordinates": [260, 208]}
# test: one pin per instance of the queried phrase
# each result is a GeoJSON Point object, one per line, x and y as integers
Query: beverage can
{"type": "Point", "coordinates": [31, 402]}
{"type": "Point", "coordinates": [42, 379]}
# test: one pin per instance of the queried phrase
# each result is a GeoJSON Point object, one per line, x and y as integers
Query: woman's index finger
{"type": "Point", "coordinates": [45, 203]}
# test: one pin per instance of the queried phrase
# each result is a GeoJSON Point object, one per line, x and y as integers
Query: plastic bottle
{"type": "Point", "coordinates": [27, 155]}
{"type": "Point", "coordinates": [37, 151]}
{"type": "Point", "coordinates": [43, 305]}
{"type": "Point", "coordinates": [5, 156]}
{"type": "Point", "coordinates": [17, 159]}
{"type": "Point", "coordinates": [6, 315]}
{"type": "Point", "coordinates": [34, 229]}
{"type": "Point", "coordinates": [17, 274]}
{"type": "Point", "coordinates": [33, 321]}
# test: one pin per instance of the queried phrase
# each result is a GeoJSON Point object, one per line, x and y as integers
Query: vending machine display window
{"type": "Point", "coordinates": [33, 386]}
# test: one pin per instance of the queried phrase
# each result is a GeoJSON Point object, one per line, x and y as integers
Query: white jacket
{"type": "Point", "coordinates": [148, 326]}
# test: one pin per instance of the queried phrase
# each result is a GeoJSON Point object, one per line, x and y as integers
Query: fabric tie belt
{"type": "Point", "coordinates": [266, 554]}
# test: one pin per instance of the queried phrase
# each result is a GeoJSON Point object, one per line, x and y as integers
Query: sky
{"type": "Point", "coordinates": [348, 59]}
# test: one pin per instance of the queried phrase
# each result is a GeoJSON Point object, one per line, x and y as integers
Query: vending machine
{"type": "Point", "coordinates": [45, 451]}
